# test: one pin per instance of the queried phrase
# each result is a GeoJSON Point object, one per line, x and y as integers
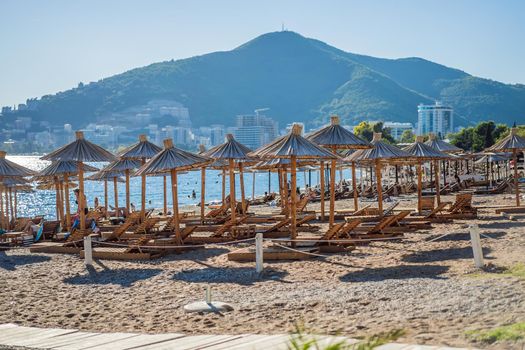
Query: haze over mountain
{"type": "Point", "coordinates": [299, 79]}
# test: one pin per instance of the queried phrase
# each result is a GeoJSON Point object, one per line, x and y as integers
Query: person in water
{"type": "Point", "coordinates": [193, 194]}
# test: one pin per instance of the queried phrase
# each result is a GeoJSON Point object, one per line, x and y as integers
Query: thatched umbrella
{"type": "Point", "coordinates": [293, 146]}
{"type": "Point", "coordinates": [9, 169]}
{"type": "Point", "coordinates": [142, 151]}
{"type": "Point", "coordinates": [335, 137]}
{"type": "Point", "coordinates": [442, 146]}
{"type": "Point", "coordinates": [60, 171]}
{"type": "Point", "coordinates": [512, 143]}
{"type": "Point", "coordinates": [109, 175]}
{"type": "Point", "coordinates": [10, 183]}
{"type": "Point", "coordinates": [124, 165]}
{"type": "Point", "coordinates": [489, 158]}
{"type": "Point", "coordinates": [380, 154]}
{"type": "Point", "coordinates": [81, 151]}
{"type": "Point", "coordinates": [172, 159]}
{"type": "Point", "coordinates": [232, 151]}
{"type": "Point", "coordinates": [422, 153]}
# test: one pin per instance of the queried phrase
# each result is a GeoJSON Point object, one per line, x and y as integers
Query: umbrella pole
{"type": "Point", "coordinates": [332, 191]}
{"type": "Point", "coordinates": [379, 187]}
{"type": "Point", "coordinates": [419, 184]}
{"type": "Point", "coordinates": [243, 197]}
{"type": "Point", "coordinates": [253, 186]}
{"type": "Point", "coordinates": [11, 204]}
{"type": "Point", "coordinates": [354, 188]}
{"type": "Point", "coordinates": [127, 191]}
{"type": "Point", "coordinates": [322, 190]}
{"type": "Point", "coordinates": [432, 175]}
{"type": "Point", "coordinates": [143, 192]}
{"type": "Point", "coordinates": [174, 194]}
{"type": "Point", "coordinates": [232, 189]}
{"type": "Point", "coordinates": [286, 194]}
{"type": "Point", "coordinates": [293, 195]}
{"type": "Point", "coordinates": [438, 190]}
{"type": "Point", "coordinates": [269, 182]}
{"type": "Point", "coordinates": [115, 195]}
{"type": "Point", "coordinates": [516, 184]}
{"type": "Point", "coordinates": [81, 196]}
{"type": "Point", "coordinates": [105, 197]}
{"type": "Point", "coordinates": [203, 192]}
{"type": "Point", "coordinates": [16, 203]}
{"type": "Point", "coordinates": [57, 209]}
{"type": "Point", "coordinates": [223, 185]}
{"type": "Point", "coordinates": [2, 217]}
{"type": "Point", "coordinates": [165, 195]}
{"type": "Point", "coordinates": [68, 212]}
{"type": "Point", "coordinates": [281, 192]}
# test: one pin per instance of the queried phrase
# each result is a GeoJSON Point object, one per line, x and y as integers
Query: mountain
{"type": "Point", "coordinates": [297, 78]}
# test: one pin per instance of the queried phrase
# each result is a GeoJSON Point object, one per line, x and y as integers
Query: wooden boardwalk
{"type": "Point", "coordinates": [71, 339]}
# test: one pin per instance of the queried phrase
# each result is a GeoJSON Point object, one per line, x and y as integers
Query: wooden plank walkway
{"type": "Point", "coordinates": [72, 339]}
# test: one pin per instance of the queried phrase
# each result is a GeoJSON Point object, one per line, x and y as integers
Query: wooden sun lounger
{"type": "Point", "coordinates": [146, 226]}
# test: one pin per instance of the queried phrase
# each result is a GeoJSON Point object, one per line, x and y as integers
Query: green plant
{"type": "Point", "coordinates": [511, 332]}
{"type": "Point", "coordinates": [517, 270]}
{"type": "Point", "coordinates": [301, 341]}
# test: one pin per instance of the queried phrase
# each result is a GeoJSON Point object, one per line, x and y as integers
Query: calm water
{"type": "Point", "coordinates": [43, 202]}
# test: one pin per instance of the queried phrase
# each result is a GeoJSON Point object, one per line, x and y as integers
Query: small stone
{"type": "Point", "coordinates": [202, 306]}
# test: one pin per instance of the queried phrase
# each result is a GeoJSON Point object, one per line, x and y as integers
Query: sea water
{"type": "Point", "coordinates": [42, 202]}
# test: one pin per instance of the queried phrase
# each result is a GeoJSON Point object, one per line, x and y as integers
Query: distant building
{"type": "Point", "coordinates": [437, 119]}
{"type": "Point", "coordinates": [397, 129]}
{"type": "Point", "coordinates": [216, 134]}
{"type": "Point", "coordinates": [256, 130]}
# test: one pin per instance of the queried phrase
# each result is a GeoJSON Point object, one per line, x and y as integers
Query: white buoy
{"type": "Point", "coordinates": [88, 252]}
{"type": "Point", "coordinates": [476, 245]}
{"type": "Point", "coordinates": [259, 252]}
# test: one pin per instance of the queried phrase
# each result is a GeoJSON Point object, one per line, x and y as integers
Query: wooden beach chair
{"type": "Point", "coordinates": [427, 203]}
{"type": "Point", "coordinates": [146, 226]}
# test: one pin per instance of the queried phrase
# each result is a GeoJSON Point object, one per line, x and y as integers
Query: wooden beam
{"type": "Point", "coordinates": [66, 195]}
{"type": "Point", "coordinates": [322, 190]}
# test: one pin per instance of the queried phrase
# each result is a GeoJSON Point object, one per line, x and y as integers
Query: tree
{"type": "Point", "coordinates": [407, 137]}
{"type": "Point", "coordinates": [366, 131]}
{"type": "Point", "coordinates": [481, 136]}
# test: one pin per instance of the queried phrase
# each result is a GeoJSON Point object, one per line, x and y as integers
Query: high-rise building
{"type": "Point", "coordinates": [437, 119]}
{"type": "Point", "coordinates": [256, 130]}
{"type": "Point", "coordinates": [216, 134]}
{"type": "Point", "coordinates": [397, 129]}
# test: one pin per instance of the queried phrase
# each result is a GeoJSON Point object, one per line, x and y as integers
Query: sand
{"type": "Point", "coordinates": [429, 289]}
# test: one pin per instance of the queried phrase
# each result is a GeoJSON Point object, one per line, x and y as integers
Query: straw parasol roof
{"type": "Point", "coordinates": [423, 152]}
{"type": "Point", "coordinates": [381, 151]}
{"type": "Point", "coordinates": [141, 149]}
{"type": "Point", "coordinates": [231, 149]}
{"type": "Point", "coordinates": [9, 168]}
{"type": "Point", "coordinates": [106, 175]}
{"type": "Point", "coordinates": [334, 135]}
{"type": "Point", "coordinates": [172, 158]}
{"type": "Point", "coordinates": [80, 150]}
{"type": "Point", "coordinates": [493, 157]}
{"type": "Point", "coordinates": [293, 145]}
{"type": "Point", "coordinates": [13, 181]}
{"type": "Point", "coordinates": [123, 164]}
{"type": "Point", "coordinates": [62, 167]}
{"type": "Point", "coordinates": [441, 145]}
{"type": "Point", "coordinates": [510, 143]}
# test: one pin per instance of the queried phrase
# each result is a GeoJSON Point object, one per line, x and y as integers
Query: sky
{"type": "Point", "coordinates": [49, 46]}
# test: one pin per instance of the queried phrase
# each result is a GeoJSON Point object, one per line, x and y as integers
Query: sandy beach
{"type": "Point", "coordinates": [423, 285]}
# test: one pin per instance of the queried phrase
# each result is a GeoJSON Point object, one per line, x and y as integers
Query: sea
{"type": "Point", "coordinates": [42, 202]}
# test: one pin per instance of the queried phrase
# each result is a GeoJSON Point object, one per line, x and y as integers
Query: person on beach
{"type": "Point", "coordinates": [77, 201]}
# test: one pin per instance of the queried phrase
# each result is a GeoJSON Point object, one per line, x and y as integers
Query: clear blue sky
{"type": "Point", "coordinates": [50, 46]}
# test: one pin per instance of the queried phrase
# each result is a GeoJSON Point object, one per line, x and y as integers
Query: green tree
{"type": "Point", "coordinates": [463, 139]}
{"type": "Point", "coordinates": [407, 137]}
{"type": "Point", "coordinates": [366, 131]}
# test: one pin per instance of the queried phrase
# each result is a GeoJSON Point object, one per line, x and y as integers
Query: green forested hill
{"type": "Point", "coordinates": [298, 79]}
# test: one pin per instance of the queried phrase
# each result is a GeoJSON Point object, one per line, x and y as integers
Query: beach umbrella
{"type": "Point", "coordinates": [9, 169]}
{"type": "Point", "coordinates": [109, 175]}
{"type": "Point", "coordinates": [124, 165]}
{"type": "Point", "coordinates": [512, 143]}
{"type": "Point", "coordinates": [232, 151]}
{"type": "Point", "coordinates": [335, 137]}
{"type": "Point", "coordinates": [381, 153]}
{"type": "Point", "coordinates": [60, 171]}
{"type": "Point", "coordinates": [293, 146]}
{"type": "Point", "coordinates": [442, 146]}
{"type": "Point", "coordinates": [142, 150]}
{"type": "Point", "coordinates": [80, 151]}
{"type": "Point", "coordinates": [423, 152]}
{"type": "Point", "coordinates": [172, 160]}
